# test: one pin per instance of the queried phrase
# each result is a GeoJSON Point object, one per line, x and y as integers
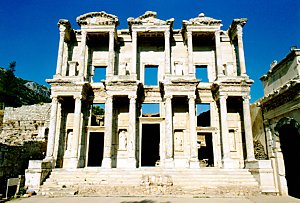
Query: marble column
{"type": "Point", "coordinates": [248, 129]}
{"type": "Point", "coordinates": [132, 132]}
{"type": "Point", "coordinates": [190, 52]}
{"type": "Point", "coordinates": [134, 53]}
{"type": "Point", "coordinates": [52, 129]}
{"type": "Point", "coordinates": [111, 50]}
{"type": "Point", "coordinates": [241, 50]}
{"type": "Point", "coordinates": [82, 53]}
{"type": "Point", "coordinates": [60, 50]}
{"type": "Point", "coordinates": [218, 54]}
{"type": "Point", "coordinates": [76, 134]}
{"type": "Point", "coordinates": [169, 151]}
{"type": "Point", "coordinates": [167, 52]}
{"type": "Point", "coordinates": [224, 132]}
{"type": "Point", "coordinates": [108, 122]}
{"type": "Point", "coordinates": [194, 162]}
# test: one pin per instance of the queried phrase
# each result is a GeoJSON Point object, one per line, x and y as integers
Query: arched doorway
{"type": "Point", "coordinates": [288, 130]}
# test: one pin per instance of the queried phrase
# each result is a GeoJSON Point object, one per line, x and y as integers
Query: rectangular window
{"type": "Point", "coordinates": [99, 73]}
{"type": "Point", "coordinates": [203, 115]}
{"type": "Point", "coordinates": [150, 77]}
{"type": "Point", "coordinates": [150, 110]}
{"type": "Point", "coordinates": [201, 73]}
{"type": "Point", "coordinates": [98, 111]}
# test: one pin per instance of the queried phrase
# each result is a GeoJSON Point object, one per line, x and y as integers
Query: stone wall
{"type": "Point", "coordinates": [23, 138]}
{"type": "Point", "coordinates": [26, 123]}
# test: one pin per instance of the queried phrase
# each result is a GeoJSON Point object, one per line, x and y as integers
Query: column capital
{"type": "Point", "coordinates": [131, 97]}
{"type": "Point", "coordinates": [246, 98]}
{"type": "Point", "coordinates": [192, 97]}
{"type": "Point", "coordinates": [189, 33]}
{"type": "Point", "coordinates": [77, 97]}
{"type": "Point", "coordinates": [167, 33]}
{"type": "Point", "coordinates": [224, 96]}
{"type": "Point", "coordinates": [168, 96]}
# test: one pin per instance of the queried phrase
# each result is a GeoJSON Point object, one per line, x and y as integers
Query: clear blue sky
{"type": "Point", "coordinates": [29, 33]}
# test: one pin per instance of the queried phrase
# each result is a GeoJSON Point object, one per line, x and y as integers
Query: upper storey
{"type": "Point", "coordinates": [150, 48]}
{"type": "Point", "coordinates": [282, 75]}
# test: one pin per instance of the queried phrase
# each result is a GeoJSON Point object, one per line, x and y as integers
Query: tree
{"type": "Point", "coordinates": [9, 86]}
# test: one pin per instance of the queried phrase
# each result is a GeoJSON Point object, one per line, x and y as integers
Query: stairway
{"type": "Point", "coordinates": [203, 182]}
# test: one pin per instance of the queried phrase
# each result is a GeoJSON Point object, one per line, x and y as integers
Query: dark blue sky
{"type": "Point", "coordinates": [29, 33]}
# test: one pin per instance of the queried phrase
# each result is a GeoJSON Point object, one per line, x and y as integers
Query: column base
{"type": "Point", "coordinates": [70, 163]}
{"type": "Point", "coordinates": [131, 163]}
{"type": "Point", "coordinates": [194, 163]}
{"type": "Point", "coordinates": [106, 163]}
{"type": "Point", "coordinates": [228, 163]}
{"type": "Point", "coordinates": [168, 163]}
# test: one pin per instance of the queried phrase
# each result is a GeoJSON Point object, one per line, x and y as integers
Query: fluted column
{"type": "Point", "coordinates": [52, 128]}
{"type": "Point", "coordinates": [134, 52]}
{"type": "Point", "coordinates": [108, 121]}
{"type": "Point", "coordinates": [248, 129]}
{"type": "Point", "coordinates": [110, 68]}
{"type": "Point", "coordinates": [169, 151]}
{"type": "Point", "coordinates": [132, 132]}
{"type": "Point", "coordinates": [167, 52]}
{"type": "Point", "coordinates": [190, 52]}
{"type": "Point", "coordinates": [241, 50]}
{"type": "Point", "coordinates": [218, 54]}
{"type": "Point", "coordinates": [224, 129]}
{"type": "Point", "coordinates": [194, 162]}
{"type": "Point", "coordinates": [82, 53]}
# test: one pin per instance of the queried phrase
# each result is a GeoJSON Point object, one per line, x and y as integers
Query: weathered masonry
{"type": "Point", "coordinates": [166, 98]}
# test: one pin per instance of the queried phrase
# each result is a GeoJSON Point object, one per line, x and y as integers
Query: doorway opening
{"type": "Point", "coordinates": [150, 144]}
{"type": "Point", "coordinates": [96, 144]}
{"type": "Point", "coordinates": [205, 149]}
{"type": "Point", "coordinates": [290, 141]}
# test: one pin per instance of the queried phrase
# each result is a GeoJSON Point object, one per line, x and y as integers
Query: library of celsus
{"type": "Point", "coordinates": [151, 98]}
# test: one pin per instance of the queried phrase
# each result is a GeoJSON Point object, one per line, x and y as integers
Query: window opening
{"type": "Point", "coordinates": [201, 73]}
{"type": "Point", "coordinates": [151, 73]}
{"type": "Point", "coordinates": [203, 115]}
{"type": "Point", "coordinates": [150, 110]}
{"type": "Point", "coordinates": [99, 73]}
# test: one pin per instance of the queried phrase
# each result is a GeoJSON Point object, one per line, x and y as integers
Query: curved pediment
{"type": "Point", "coordinates": [97, 18]}
{"type": "Point", "coordinates": [202, 20]}
{"type": "Point", "coordinates": [149, 18]}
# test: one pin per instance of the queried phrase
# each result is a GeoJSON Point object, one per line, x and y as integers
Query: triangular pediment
{"type": "Point", "coordinates": [149, 18]}
{"type": "Point", "coordinates": [202, 20]}
{"type": "Point", "coordinates": [97, 18]}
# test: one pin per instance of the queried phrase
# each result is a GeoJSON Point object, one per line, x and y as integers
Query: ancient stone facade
{"type": "Point", "coordinates": [277, 121]}
{"type": "Point", "coordinates": [171, 98]}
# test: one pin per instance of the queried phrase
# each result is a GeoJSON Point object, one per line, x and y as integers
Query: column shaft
{"type": "Point", "coordinates": [218, 53]}
{"type": "Point", "coordinates": [167, 52]}
{"type": "Point", "coordinates": [52, 128]}
{"type": "Point", "coordinates": [193, 132]}
{"type": "Point", "coordinates": [241, 50]}
{"type": "Point", "coordinates": [134, 52]}
{"type": "Point", "coordinates": [60, 53]}
{"type": "Point", "coordinates": [110, 68]}
{"type": "Point", "coordinates": [248, 130]}
{"type": "Point", "coordinates": [108, 121]}
{"type": "Point", "coordinates": [82, 53]}
{"type": "Point", "coordinates": [169, 129]}
{"type": "Point", "coordinates": [76, 129]}
{"type": "Point", "coordinates": [224, 127]}
{"type": "Point", "coordinates": [190, 52]}
{"type": "Point", "coordinates": [132, 131]}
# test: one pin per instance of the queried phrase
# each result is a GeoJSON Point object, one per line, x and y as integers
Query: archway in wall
{"type": "Point", "coordinates": [150, 144]}
{"type": "Point", "coordinates": [290, 142]}
{"type": "Point", "coordinates": [96, 144]}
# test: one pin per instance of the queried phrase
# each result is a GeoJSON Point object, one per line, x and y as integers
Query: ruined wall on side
{"type": "Point", "coordinates": [23, 137]}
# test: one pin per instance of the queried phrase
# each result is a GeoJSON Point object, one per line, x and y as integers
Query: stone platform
{"type": "Point", "coordinates": [204, 182]}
